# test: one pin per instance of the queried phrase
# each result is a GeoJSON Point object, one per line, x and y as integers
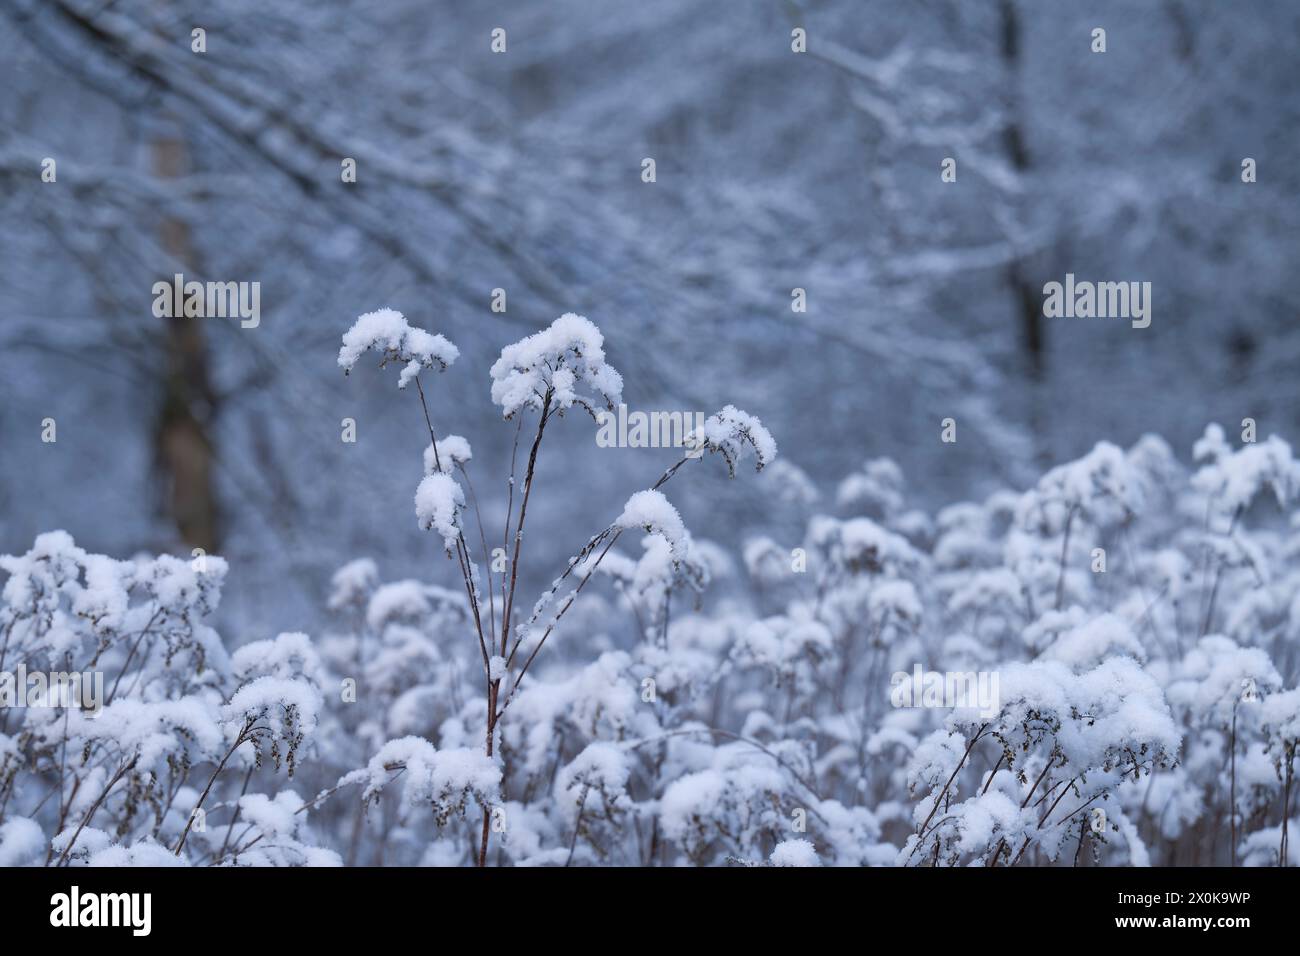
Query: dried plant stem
{"type": "Point", "coordinates": [1065, 548]}
{"type": "Point", "coordinates": [243, 737]}
{"type": "Point", "coordinates": [1232, 798]}
{"type": "Point", "coordinates": [94, 807]}
{"type": "Point", "coordinates": [1284, 847]}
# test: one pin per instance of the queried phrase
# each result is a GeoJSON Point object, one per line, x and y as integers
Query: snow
{"type": "Point", "coordinates": [353, 583]}
{"type": "Point", "coordinates": [144, 853]}
{"type": "Point", "coordinates": [400, 601]}
{"type": "Point", "coordinates": [438, 501]}
{"type": "Point", "coordinates": [21, 840]}
{"type": "Point", "coordinates": [742, 717]}
{"type": "Point", "coordinates": [651, 511]}
{"type": "Point", "coordinates": [1281, 718]}
{"type": "Point", "coordinates": [1233, 479]}
{"type": "Point", "coordinates": [286, 656]}
{"type": "Point", "coordinates": [449, 780]}
{"type": "Point", "coordinates": [596, 780]}
{"type": "Point", "coordinates": [1210, 679]}
{"type": "Point", "coordinates": [794, 853]}
{"type": "Point", "coordinates": [412, 754]}
{"type": "Point", "coordinates": [276, 818]}
{"type": "Point", "coordinates": [741, 788]}
{"type": "Point", "coordinates": [150, 732]}
{"type": "Point", "coordinates": [288, 709]}
{"type": "Point", "coordinates": [463, 774]}
{"type": "Point", "coordinates": [452, 451]}
{"type": "Point", "coordinates": [689, 798]}
{"type": "Point", "coordinates": [1088, 645]}
{"type": "Point", "coordinates": [876, 491]}
{"type": "Point", "coordinates": [1163, 687]}
{"type": "Point", "coordinates": [863, 544]}
{"type": "Point", "coordinates": [387, 332]}
{"type": "Point", "coordinates": [765, 560]}
{"type": "Point", "coordinates": [1102, 486]}
{"type": "Point", "coordinates": [731, 432]}
{"type": "Point", "coordinates": [556, 361]}
{"type": "Point", "coordinates": [896, 598]}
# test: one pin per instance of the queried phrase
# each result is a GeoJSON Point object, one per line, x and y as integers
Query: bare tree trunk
{"type": "Point", "coordinates": [184, 455]}
{"type": "Point", "coordinates": [1026, 300]}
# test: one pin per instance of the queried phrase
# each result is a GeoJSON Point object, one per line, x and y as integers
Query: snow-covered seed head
{"type": "Point", "coordinates": [284, 710]}
{"type": "Point", "coordinates": [387, 332]}
{"type": "Point", "coordinates": [729, 432]}
{"type": "Point", "coordinates": [653, 512]}
{"type": "Point", "coordinates": [1233, 478]}
{"type": "Point", "coordinates": [1101, 486]}
{"type": "Point", "coordinates": [451, 451]}
{"type": "Point", "coordinates": [438, 501]}
{"type": "Point", "coordinates": [560, 361]}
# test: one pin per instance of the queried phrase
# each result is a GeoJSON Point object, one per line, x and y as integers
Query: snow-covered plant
{"type": "Point", "coordinates": [1137, 620]}
{"type": "Point", "coordinates": [545, 375]}
{"type": "Point", "coordinates": [129, 775]}
{"type": "Point", "coordinates": [1069, 740]}
{"type": "Point", "coordinates": [387, 332]}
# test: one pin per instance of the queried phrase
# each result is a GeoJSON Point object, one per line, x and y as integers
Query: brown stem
{"type": "Point", "coordinates": [551, 627]}
{"type": "Point", "coordinates": [507, 610]}
{"type": "Point", "coordinates": [462, 548]}
{"type": "Point", "coordinates": [510, 510]}
{"type": "Point", "coordinates": [129, 657]}
{"type": "Point", "coordinates": [487, 558]}
{"type": "Point", "coordinates": [1284, 849]}
{"type": "Point", "coordinates": [1218, 575]}
{"type": "Point", "coordinates": [1232, 798]}
{"type": "Point", "coordinates": [121, 772]}
{"type": "Point", "coordinates": [577, 826]}
{"type": "Point", "coordinates": [939, 799]}
{"type": "Point", "coordinates": [234, 817]}
{"type": "Point", "coordinates": [1065, 547]}
{"type": "Point", "coordinates": [63, 814]}
{"type": "Point", "coordinates": [997, 851]}
{"type": "Point", "coordinates": [248, 724]}
{"type": "Point", "coordinates": [994, 773]}
{"type": "Point", "coordinates": [523, 513]}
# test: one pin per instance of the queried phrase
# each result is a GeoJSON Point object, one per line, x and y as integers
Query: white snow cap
{"type": "Point", "coordinates": [437, 501]}
{"type": "Point", "coordinates": [451, 451]}
{"type": "Point", "coordinates": [388, 332]}
{"type": "Point", "coordinates": [269, 697]}
{"type": "Point", "coordinates": [559, 359]}
{"type": "Point", "coordinates": [353, 583]}
{"type": "Point", "coordinates": [729, 431]}
{"type": "Point", "coordinates": [1233, 478]}
{"type": "Point", "coordinates": [21, 840]}
{"type": "Point", "coordinates": [653, 512]}
{"type": "Point", "coordinates": [794, 853]}
{"type": "Point", "coordinates": [449, 780]}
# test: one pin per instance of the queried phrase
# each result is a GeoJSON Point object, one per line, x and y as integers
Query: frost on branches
{"type": "Point", "coordinates": [663, 703]}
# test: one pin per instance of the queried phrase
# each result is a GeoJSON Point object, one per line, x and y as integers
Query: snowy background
{"type": "Point", "coordinates": [774, 170]}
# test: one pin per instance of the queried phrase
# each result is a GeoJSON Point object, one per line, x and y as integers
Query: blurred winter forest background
{"type": "Point", "coordinates": [521, 171]}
